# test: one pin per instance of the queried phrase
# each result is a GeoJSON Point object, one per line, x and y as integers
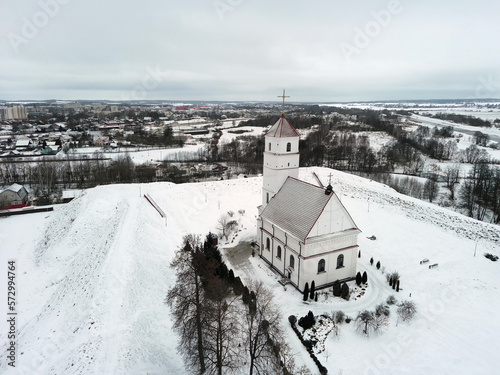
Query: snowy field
{"type": "Point", "coordinates": [138, 157]}
{"type": "Point", "coordinates": [229, 134]}
{"type": "Point", "coordinates": [93, 274]}
{"type": "Point", "coordinates": [483, 113]}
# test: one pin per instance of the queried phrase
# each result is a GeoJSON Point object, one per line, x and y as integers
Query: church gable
{"type": "Point", "coordinates": [333, 219]}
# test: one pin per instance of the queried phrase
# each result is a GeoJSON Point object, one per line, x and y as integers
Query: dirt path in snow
{"type": "Point", "coordinates": [239, 258]}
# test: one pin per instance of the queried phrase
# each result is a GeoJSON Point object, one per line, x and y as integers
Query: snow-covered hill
{"type": "Point", "coordinates": [92, 277]}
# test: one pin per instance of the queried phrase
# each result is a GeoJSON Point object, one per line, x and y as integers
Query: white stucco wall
{"type": "Point", "coordinates": [274, 177]}
{"type": "Point", "coordinates": [333, 219]}
{"type": "Point", "coordinates": [309, 270]}
{"type": "Point", "coordinates": [306, 265]}
{"type": "Point", "coordinates": [278, 144]}
{"type": "Point", "coordinates": [289, 246]}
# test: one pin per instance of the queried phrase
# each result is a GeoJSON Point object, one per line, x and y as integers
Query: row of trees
{"type": "Point", "coordinates": [219, 331]}
{"type": "Point", "coordinates": [463, 119]}
{"type": "Point", "coordinates": [48, 178]}
{"type": "Point", "coordinates": [480, 192]}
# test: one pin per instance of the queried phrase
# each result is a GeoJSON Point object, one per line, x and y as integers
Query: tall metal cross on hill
{"type": "Point", "coordinates": [283, 96]}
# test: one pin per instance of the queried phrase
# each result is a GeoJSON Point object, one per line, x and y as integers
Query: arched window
{"type": "Point", "coordinates": [321, 266]}
{"type": "Point", "coordinates": [288, 147]}
{"type": "Point", "coordinates": [279, 252]}
{"type": "Point", "coordinates": [267, 197]}
{"type": "Point", "coordinates": [292, 261]}
{"type": "Point", "coordinates": [269, 146]}
{"type": "Point", "coordinates": [340, 261]}
{"type": "Point", "coordinates": [268, 244]}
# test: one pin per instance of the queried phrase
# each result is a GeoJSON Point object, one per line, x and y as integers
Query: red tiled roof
{"type": "Point", "coordinates": [282, 129]}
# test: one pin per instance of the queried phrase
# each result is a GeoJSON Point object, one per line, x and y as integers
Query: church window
{"type": "Point", "coordinates": [268, 244]}
{"type": "Point", "coordinates": [288, 147]}
{"type": "Point", "coordinates": [321, 266]}
{"type": "Point", "coordinates": [269, 146]}
{"type": "Point", "coordinates": [340, 261]}
{"type": "Point", "coordinates": [278, 255]}
{"type": "Point", "coordinates": [267, 197]}
{"type": "Point", "coordinates": [292, 261]}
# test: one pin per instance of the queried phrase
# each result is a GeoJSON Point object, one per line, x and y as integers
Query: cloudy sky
{"type": "Point", "coordinates": [319, 50]}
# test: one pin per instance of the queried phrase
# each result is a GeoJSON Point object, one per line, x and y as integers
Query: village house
{"type": "Point", "coordinates": [24, 143]}
{"type": "Point", "coordinates": [15, 196]}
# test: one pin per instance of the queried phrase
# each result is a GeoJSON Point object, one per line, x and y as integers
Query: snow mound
{"type": "Point", "coordinates": [93, 275]}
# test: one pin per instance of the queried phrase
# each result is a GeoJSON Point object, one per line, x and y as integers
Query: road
{"type": "Point", "coordinates": [493, 132]}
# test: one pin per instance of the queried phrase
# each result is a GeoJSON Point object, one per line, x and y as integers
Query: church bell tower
{"type": "Point", "coordinates": [281, 157]}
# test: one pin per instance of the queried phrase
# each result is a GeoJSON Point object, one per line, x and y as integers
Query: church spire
{"type": "Point", "coordinates": [282, 129]}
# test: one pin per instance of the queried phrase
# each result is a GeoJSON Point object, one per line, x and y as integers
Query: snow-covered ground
{"type": "Point", "coordinates": [229, 134]}
{"type": "Point", "coordinates": [483, 113]}
{"type": "Point", "coordinates": [138, 157]}
{"type": "Point", "coordinates": [93, 274]}
{"type": "Point", "coordinates": [493, 132]}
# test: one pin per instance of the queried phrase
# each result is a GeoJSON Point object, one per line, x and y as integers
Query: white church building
{"type": "Point", "coordinates": [305, 233]}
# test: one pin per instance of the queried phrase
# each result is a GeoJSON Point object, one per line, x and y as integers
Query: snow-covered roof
{"type": "Point", "coordinates": [297, 207]}
{"type": "Point", "coordinates": [67, 194]}
{"type": "Point", "coordinates": [23, 142]}
{"type": "Point", "coordinates": [282, 129]}
{"type": "Point", "coordinates": [15, 188]}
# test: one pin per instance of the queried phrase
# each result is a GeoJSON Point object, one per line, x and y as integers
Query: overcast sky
{"type": "Point", "coordinates": [319, 50]}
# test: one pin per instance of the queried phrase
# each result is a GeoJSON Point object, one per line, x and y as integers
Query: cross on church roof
{"type": "Point", "coordinates": [283, 96]}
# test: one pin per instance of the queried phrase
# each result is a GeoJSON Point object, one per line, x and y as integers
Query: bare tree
{"type": "Point", "coordinates": [480, 138]}
{"type": "Point", "coordinates": [187, 300]}
{"type": "Point", "coordinates": [381, 317]}
{"type": "Point", "coordinates": [431, 189]}
{"type": "Point", "coordinates": [222, 226]}
{"type": "Point", "coordinates": [474, 154]}
{"type": "Point", "coordinates": [263, 332]}
{"type": "Point", "coordinates": [45, 175]}
{"type": "Point", "coordinates": [8, 173]}
{"type": "Point", "coordinates": [221, 329]}
{"type": "Point", "coordinates": [407, 310]}
{"type": "Point", "coordinates": [122, 169]}
{"type": "Point", "coordinates": [451, 175]}
{"type": "Point", "coordinates": [365, 322]}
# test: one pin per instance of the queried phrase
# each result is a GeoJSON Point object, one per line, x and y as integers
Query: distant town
{"type": "Point", "coordinates": [45, 129]}
{"type": "Point", "coordinates": [54, 146]}
{"type": "Point", "coordinates": [51, 151]}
